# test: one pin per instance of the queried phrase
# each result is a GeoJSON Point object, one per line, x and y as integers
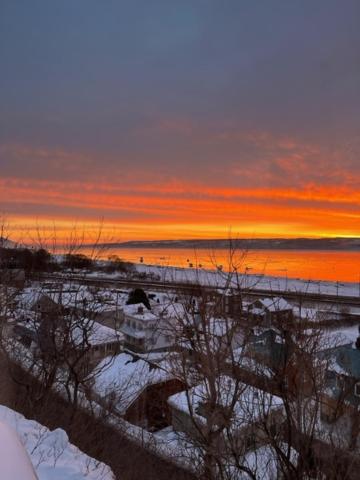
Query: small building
{"type": "Point", "coordinates": [102, 341]}
{"type": "Point", "coordinates": [270, 312]}
{"type": "Point", "coordinates": [341, 395]}
{"type": "Point", "coordinates": [283, 353]}
{"type": "Point", "coordinates": [84, 339]}
{"type": "Point", "coordinates": [136, 390]}
{"type": "Point", "coordinates": [224, 301]}
{"type": "Point", "coordinates": [240, 409]}
{"type": "Point", "coordinates": [75, 301]}
{"type": "Point", "coordinates": [231, 302]}
{"type": "Point", "coordinates": [151, 331]}
{"type": "Point", "coordinates": [221, 335]}
{"type": "Point", "coordinates": [267, 345]}
{"type": "Point", "coordinates": [45, 306]}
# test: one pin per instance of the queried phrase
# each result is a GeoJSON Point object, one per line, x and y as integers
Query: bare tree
{"type": "Point", "coordinates": [280, 385]}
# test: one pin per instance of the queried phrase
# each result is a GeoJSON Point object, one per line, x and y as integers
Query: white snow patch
{"type": "Point", "coordinates": [51, 453]}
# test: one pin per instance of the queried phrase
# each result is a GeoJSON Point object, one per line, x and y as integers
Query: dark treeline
{"type": "Point", "coordinates": [28, 260]}
{"type": "Point", "coordinates": [40, 260]}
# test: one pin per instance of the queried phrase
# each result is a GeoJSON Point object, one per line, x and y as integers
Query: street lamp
{"type": "Point", "coordinates": [246, 270]}
{"type": "Point", "coordinates": [286, 277]}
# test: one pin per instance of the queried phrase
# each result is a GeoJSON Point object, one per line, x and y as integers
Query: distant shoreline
{"type": "Point", "coordinates": [334, 244]}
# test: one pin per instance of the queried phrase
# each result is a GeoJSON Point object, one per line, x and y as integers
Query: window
{"type": "Point", "coordinates": [341, 383]}
{"type": "Point", "coordinates": [357, 389]}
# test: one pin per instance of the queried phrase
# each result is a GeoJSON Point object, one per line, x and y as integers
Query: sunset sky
{"type": "Point", "coordinates": [181, 119]}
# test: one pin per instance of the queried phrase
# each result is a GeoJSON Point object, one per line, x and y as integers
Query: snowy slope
{"type": "Point", "coordinates": [52, 456]}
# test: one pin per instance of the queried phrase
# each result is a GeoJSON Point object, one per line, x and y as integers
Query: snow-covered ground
{"type": "Point", "coordinates": [220, 279]}
{"type": "Point", "coordinates": [51, 453]}
{"type": "Point", "coordinates": [266, 282]}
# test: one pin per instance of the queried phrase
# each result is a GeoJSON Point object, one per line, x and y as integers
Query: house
{"type": "Point", "coordinates": [83, 339]}
{"type": "Point", "coordinates": [100, 341]}
{"type": "Point", "coordinates": [250, 370]}
{"type": "Point", "coordinates": [104, 306]}
{"type": "Point", "coordinates": [221, 335]}
{"type": "Point", "coordinates": [151, 330]}
{"type": "Point", "coordinates": [231, 302]}
{"type": "Point", "coordinates": [226, 301]}
{"type": "Point", "coordinates": [136, 389]}
{"type": "Point", "coordinates": [139, 327]}
{"type": "Point", "coordinates": [270, 312]}
{"type": "Point", "coordinates": [109, 315]}
{"type": "Point", "coordinates": [240, 409]}
{"type": "Point", "coordinates": [45, 306]}
{"type": "Point", "coordinates": [285, 354]}
{"type": "Point", "coordinates": [267, 345]}
{"type": "Point", "coordinates": [341, 395]}
{"type": "Point", "coordinates": [64, 300]}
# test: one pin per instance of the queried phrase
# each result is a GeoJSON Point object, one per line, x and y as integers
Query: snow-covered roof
{"type": "Point", "coordinates": [333, 366]}
{"type": "Point", "coordinates": [98, 334]}
{"type": "Point", "coordinates": [342, 335]}
{"type": "Point", "coordinates": [250, 405]}
{"type": "Point", "coordinates": [263, 462]}
{"type": "Point", "coordinates": [220, 326]}
{"type": "Point", "coordinates": [51, 453]}
{"type": "Point", "coordinates": [139, 311]}
{"type": "Point", "coordinates": [306, 313]}
{"type": "Point", "coordinates": [85, 330]}
{"type": "Point", "coordinates": [174, 310]}
{"type": "Point", "coordinates": [126, 378]}
{"type": "Point", "coordinates": [70, 297]}
{"type": "Point", "coordinates": [242, 360]}
{"type": "Point", "coordinates": [275, 304]}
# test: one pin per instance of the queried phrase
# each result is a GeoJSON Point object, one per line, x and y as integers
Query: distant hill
{"type": "Point", "coordinates": [252, 244]}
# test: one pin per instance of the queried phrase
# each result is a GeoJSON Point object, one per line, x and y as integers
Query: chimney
{"type": "Point", "coordinates": [357, 343]}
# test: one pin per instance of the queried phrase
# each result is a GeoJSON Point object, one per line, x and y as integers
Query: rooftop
{"type": "Point", "coordinates": [126, 377]}
{"type": "Point", "coordinates": [250, 403]}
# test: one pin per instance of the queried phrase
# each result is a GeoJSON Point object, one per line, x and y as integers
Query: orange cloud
{"type": "Point", "coordinates": [188, 210]}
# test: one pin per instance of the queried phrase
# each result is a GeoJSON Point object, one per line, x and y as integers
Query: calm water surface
{"type": "Point", "coordinates": [305, 264]}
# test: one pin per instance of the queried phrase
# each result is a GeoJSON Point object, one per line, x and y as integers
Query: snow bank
{"type": "Point", "coordinates": [51, 453]}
